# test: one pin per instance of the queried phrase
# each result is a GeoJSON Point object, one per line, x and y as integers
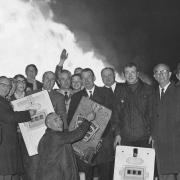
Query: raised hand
{"type": "Point", "coordinates": [64, 55]}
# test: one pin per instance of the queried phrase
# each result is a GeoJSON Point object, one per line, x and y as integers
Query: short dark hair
{"type": "Point", "coordinates": [130, 65]}
{"type": "Point", "coordinates": [65, 71]}
{"type": "Point", "coordinates": [108, 68]}
{"type": "Point", "coordinates": [74, 75]}
{"type": "Point", "coordinates": [87, 70]}
{"type": "Point", "coordinates": [47, 73]}
{"type": "Point", "coordinates": [78, 68]}
{"type": "Point", "coordinates": [31, 65]}
{"type": "Point", "coordinates": [161, 64]}
{"type": "Point", "coordinates": [19, 76]}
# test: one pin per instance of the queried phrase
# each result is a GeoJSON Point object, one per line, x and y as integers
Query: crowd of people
{"type": "Point", "coordinates": [143, 115]}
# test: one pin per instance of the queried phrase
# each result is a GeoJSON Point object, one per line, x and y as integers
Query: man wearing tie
{"type": "Point", "coordinates": [96, 94]}
{"type": "Point", "coordinates": [166, 125]}
{"type": "Point", "coordinates": [110, 85]}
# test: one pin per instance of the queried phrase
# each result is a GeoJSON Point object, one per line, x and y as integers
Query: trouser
{"type": "Point", "coordinates": [86, 168]}
{"type": "Point", "coordinates": [32, 167]}
{"type": "Point", "coordinates": [169, 176]}
{"type": "Point", "coordinates": [9, 177]}
{"type": "Point", "coordinates": [104, 171]}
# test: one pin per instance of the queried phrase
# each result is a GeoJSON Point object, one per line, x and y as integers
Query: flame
{"type": "Point", "coordinates": [28, 36]}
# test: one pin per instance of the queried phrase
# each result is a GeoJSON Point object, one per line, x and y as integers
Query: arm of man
{"type": "Point", "coordinates": [73, 136]}
{"type": "Point", "coordinates": [9, 116]}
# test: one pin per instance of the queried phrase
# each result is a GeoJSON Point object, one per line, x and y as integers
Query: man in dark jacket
{"type": "Point", "coordinates": [133, 110]}
{"type": "Point", "coordinates": [110, 88]}
{"type": "Point", "coordinates": [96, 94]}
{"type": "Point", "coordinates": [9, 147]}
{"type": "Point", "coordinates": [58, 103]}
{"type": "Point", "coordinates": [166, 134]}
{"type": "Point", "coordinates": [56, 156]}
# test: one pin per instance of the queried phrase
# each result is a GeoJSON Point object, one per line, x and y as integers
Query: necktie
{"type": "Point", "coordinates": [90, 97]}
{"type": "Point", "coordinates": [111, 90]}
{"type": "Point", "coordinates": [162, 93]}
{"type": "Point", "coordinates": [66, 96]}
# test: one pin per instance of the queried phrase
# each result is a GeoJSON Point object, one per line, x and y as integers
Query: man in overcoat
{"type": "Point", "coordinates": [166, 126]}
{"type": "Point", "coordinates": [9, 147]}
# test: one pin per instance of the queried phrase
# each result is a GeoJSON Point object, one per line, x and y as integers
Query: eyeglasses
{"type": "Point", "coordinates": [162, 72]}
{"type": "Point", "coordinates": [21, 81]}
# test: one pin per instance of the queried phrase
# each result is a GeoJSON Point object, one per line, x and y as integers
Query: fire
{"type": "Point", "coordinates": [28, 36]}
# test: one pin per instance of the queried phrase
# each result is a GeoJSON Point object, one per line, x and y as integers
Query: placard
{"type": "Point", "coordinates": [33, 130]}
{"type": "Point", "coordinates": [134, 163]}
{"type": "Point", "coordinates": [90, 144]}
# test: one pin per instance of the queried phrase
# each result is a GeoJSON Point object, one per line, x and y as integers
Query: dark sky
{"type": "Point", "coordinates": [143, 31]}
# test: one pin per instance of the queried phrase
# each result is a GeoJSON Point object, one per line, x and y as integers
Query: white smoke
{"type": "Point", "coordinates": [28, 35]}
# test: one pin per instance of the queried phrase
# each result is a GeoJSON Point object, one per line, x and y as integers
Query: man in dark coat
{"type": "Point", "coordinates": [133, 109]}
{"type": "Point", "coordinates": [9, 147]}
{"type": "Point", "coordinates": [96, 94]}
{"type": "Point", "coordinates": [56, 156]}
{"type": "Point", "coordinates": [58, 103]}
{"type": "Point", "coordinates": [110, 88]}
{"type": "Point", "coordinates": [166, 134]}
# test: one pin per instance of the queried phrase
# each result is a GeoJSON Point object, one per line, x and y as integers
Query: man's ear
{"type": "Point", "coordinates": [170, 73]}
{"type": "Point", "coordinates": [94, 78]}
{"type": "Point", "coordinates": [138, 74]}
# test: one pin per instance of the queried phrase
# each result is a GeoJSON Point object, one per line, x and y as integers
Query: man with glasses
{"type": "Point", "coordinates": [9, 148]}
{"type": "Point", "coordinates": [166, 133]}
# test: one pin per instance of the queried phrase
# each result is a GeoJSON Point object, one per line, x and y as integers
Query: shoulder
{"type": "Point", "coordinates": [147, 88]}
{"type": "Point", "coordinates": [54, 93]}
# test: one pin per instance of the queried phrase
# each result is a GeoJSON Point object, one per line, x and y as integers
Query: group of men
{"type": "Point", "coordinates": [142, 115]}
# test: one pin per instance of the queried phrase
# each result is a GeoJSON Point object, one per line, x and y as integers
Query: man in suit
{"type": "Point", "coordinates": [110, 88]}
{"type": "Point", "coordinates": [96, 94]}
{"type": "Point", "coordinates": [110, 84]}
{"type": "Point", "coordinates": [63, 79]}
{"type": "Point", "coordinates": [166, 124]}
{"type": "Point", "coordinates": [9, 147]}
{"type": "Point", "coordinates": [57, 99]}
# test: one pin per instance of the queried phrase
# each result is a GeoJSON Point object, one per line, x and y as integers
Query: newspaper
{"type": "Point", "coordinates": [33, 130]}
{"type": "Point", "coordinates": [87, 148]}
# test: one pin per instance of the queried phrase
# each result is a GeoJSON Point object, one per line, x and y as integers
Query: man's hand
{"type": "Point", "coordinates": [151, 141]}
{"type": "Point", "coordinates": [91, 116]}
{"type": "Point", "coordinates": [117, 141]}
{"type": "Point", "coordinates": [32, 112]}
{"type": "Point", "coordinates": [63, 57]}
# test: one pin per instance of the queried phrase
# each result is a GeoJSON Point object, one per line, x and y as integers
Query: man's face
{"type": "Point", "coordinates": [55, 123]}
{"type": "Point", "coordinates": [31, 72]}
{"type": "Point", "coordinates": [88, 79]}
{"type": "Point", "coordinates": [5, 87]}
{"type": "Point", "coordinates": [162, 75]}
{"type": "Point", "coordinates": [108, 77]}
{"type": "Point", "coordinates": [76, 82]}
{"type": "Point", "coordinates": [131, 75]}
{"type": "Point", "coordinates": [64, 80]}
{"type": "Point", "coordinates": [48, 81]}
{"type": "Point", "coordinates": [20, 84]}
